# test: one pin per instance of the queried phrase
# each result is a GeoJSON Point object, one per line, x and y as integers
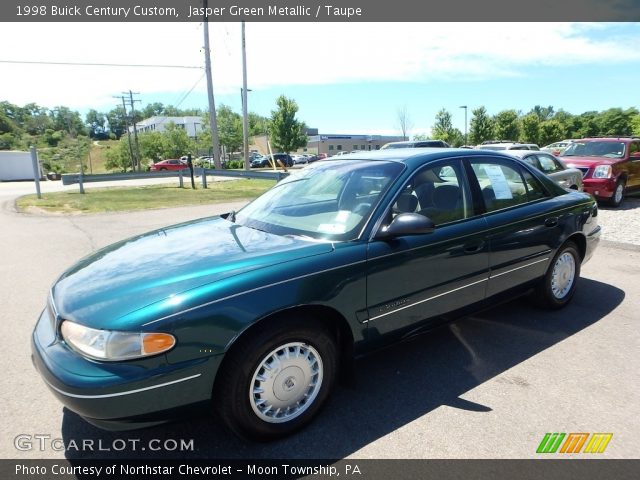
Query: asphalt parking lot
{"type": "Point", "coordinates": [486, 386]}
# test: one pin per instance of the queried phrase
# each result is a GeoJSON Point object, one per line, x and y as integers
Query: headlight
{"type": "Point", "coordinates": [602, 171]}
{"type": "Point", "coordinates": [111, 345]}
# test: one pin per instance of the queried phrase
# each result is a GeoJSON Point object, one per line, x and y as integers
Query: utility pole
{"type": "Point", "coordinates": [245, 119]}
{"type": "Point", "coordinates": [135, 128]}
{"type": "Point", "coordinates": [126, 124]}
{"type": "Point", "coordinates": [213, 123]}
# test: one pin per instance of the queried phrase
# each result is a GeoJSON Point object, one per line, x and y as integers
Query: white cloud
{"type": "Point", "coordinates": [281, 54]}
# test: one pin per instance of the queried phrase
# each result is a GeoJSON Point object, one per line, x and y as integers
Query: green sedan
{"type": "Point", "coordinates": [254, 314]}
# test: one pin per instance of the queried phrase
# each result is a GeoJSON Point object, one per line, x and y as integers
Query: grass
{"type": "Point", "coordinates": [119, 199]}
{"type": "Point", "coordinates": [97, 155]}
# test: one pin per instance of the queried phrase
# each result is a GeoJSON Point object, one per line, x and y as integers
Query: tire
{"type": "Point", "coordinates": [618, 194]}
{"type": "Point", "coordinates": [559, 283]}
{"type": "Point", "coordinates": [254, 405]}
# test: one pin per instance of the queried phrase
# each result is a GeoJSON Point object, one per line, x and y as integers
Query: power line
{"type": "Point", "coordinates": [87, 64]}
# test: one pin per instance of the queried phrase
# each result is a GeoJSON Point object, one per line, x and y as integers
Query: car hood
{"type": "Point", "coordinates": [159, 265]}
{"type": "Point", "coordinates": [588, 161]}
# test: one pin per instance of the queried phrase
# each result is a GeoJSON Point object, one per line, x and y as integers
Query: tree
{"type": "Point", "coordinates": [97, 123]}
{"type": "Point", "coordinates": [616, 121]}
{"type": "Point", "coordinates": [530, 128]}
{"type": "Point", "coordinates": [117, 121]}
{"type": "Point", "coordinates": [177, 142]}
{"type": "Point", "coordinates": [285, 132]}
{"type": "Point", "coordinates": [635, 125]}
{"type": "Point", "coordinates": [404, 122]}
{"type": "Point", "coordinates": [543, 113]}
{"type": "Point", "coordinates": [258, 125]}
{"type": "Point", "coordinates": [229, 128]}
{"type": "Point", "coordinates": [506, 125]}
{"type": "Point", "coordinates": [152, 146]}
{"type": "Point", "coordinates": [551, 131]}
{"type": "Point", "coordinates": [443, 129]}
{"type": "Point", "coordinates": [119, 157]}
{"type": "Point", "coordinates": [481, 127]}
{"type": "Point", "coordinates": [65, 119]}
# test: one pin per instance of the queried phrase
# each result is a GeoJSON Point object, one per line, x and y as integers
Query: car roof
{"type": "Point", "coordinates": [414, 157]}
{"type": "Point", "coordinates": [607, 139]}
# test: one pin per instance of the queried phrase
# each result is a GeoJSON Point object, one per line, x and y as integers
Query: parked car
{"type": "Point", "coordinates": [299, 159]}
{"type": "Point", "coordinates": [610, 166]}
{"type": "Point", "coordinates": [558, 147]}
{"type": "Point", "coordinates": [169, 164]}
{"type": "Point", "coordinates": [507, 145]}
{"type": "Point", "coordinates": [253, 314]}
{"type": "Point", "coordinates": [261, 162]}
{"type": "Point", "coordinates": [553, 167]}
{"type": "Point", "coordinates": [417, 144]}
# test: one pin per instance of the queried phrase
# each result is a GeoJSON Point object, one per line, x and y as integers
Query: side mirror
{"type": "Point", "coordinates": [407, 224]}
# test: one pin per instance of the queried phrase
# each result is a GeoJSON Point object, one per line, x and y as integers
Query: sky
{"type": "Point", "coordinates": [346, 78]}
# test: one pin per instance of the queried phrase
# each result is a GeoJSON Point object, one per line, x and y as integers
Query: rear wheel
{"type": "Point", "coordinates": [559, 283]}
{"type": "Point", "coordinates": [275, 380]}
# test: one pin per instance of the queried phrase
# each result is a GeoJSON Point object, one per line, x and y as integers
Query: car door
{"type": "Point", "coordinates": [633, 178]}
{"type": "Point", "coordinates": [414, 278]}
{"type": "Point", "coordinates": [521, 221]}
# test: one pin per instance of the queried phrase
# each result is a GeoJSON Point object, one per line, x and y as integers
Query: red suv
{"type": "Point", "coordinates": [610, 166]}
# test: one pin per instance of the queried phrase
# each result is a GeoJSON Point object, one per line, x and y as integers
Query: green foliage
{"type": "Point", "coordinates": [443, 129]}
{"type": "Point", "coordinates": [152, 146]}
{"type": "Point", "coordinates": [551, 131]}
{"type": "Point", "coordinates": [530, 128]}
{"type": "Point", "coordinates": [481, 127]}
{"type": "Point", "coordinates": [119, 157]}
{"type": "Point", "coordinates": [177, 142]}
{"type": "Point", "coordinates": [229, 129]}
{"type": "Point", "coordinates": [507, 126]}
{"type": "Point", "coordinates": [286, 133]}
{"type": "Point", "coordinates": [258, 125]}
{"type": "Point", "coordinates": [543, 113]}
{"type": "Point", "coordinates": [616, 121]}
{"type": "Point", "coordinates": [635, 126]}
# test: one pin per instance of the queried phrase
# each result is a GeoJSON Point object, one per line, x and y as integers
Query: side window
{"type": "Point", "coordinates": [548, 164]}
{"type": "Point", "coordinates": [502, 185]}
{"type": "Point", "coordinates": [438, 192]}
{"type": "Point", "coordinates": [535, 191]}
{"type": "Point", "coordinates": [634, 148]}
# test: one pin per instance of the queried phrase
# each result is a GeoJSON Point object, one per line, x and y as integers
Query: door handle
{"type": "Point", "coordinates": [551, 222]}
{"type": "Point", "coordinates": [474, 247]}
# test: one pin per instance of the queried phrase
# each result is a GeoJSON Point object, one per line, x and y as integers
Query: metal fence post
{"type": "Point", "coordinates": [180, 178]}
{"type": "Point", "coordinates": [204, 178]}
{"type": "Point", "coordinates": [36, 169]}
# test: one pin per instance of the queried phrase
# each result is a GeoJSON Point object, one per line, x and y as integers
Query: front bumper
{"type": "Point", "coordinates": [120, 395]}
{"type": "Point", "coordinates": [599, 187]}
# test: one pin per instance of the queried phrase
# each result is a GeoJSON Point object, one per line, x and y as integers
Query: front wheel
{"type": "Point", "coordinates": [275, 380]}
{"type": "Point", "coordinates": [618, 194]}
{"type": "Point", "coordinates": [559, 283]}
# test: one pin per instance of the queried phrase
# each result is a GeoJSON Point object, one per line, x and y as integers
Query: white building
{"type": "Point", "coordinates": [193, 125]}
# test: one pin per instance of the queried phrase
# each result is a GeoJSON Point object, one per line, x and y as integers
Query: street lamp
{"type": "Point", "coordinates": [465, 123]}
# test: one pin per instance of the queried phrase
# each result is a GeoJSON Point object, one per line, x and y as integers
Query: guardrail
{"type": "Point", "coordinates": [80, 179]}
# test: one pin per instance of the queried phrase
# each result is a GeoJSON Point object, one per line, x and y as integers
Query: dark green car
{"type": "Point", "coordinates": [254, 314]}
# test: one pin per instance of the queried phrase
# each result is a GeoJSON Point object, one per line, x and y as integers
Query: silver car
{"type": "Point", "coordinates": [551, 166]}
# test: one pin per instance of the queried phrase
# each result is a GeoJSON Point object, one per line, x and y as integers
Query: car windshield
{"type": "Point", "coordinates": [325, 201]}
{"type": "Point", "coordinates": [595, 149]}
